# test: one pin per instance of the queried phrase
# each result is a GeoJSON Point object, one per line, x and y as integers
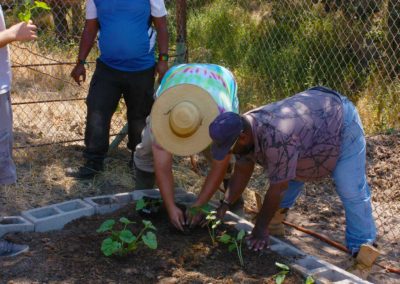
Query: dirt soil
{"type": "Point", "coordinates": [73, 255]}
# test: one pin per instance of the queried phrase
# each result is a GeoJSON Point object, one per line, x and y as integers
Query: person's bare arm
{"type": "Point", "coordinates": [160, 23]}
{"type": "Point", "coordinates": [259, 236]}
{"type": "Point", "coordinates": [237, 184]}
{"type": "Point", "coordinates": [87, 40]}
{"type": "Point", "coordinates": [165, 181]}
{"type": "Point", "coordinates": [18, 32]}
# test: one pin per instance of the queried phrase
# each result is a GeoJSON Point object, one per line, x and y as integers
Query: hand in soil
{"type": "Point", "coordinates": [177, 218]}
{"type": "Point", "coordinates": [257, 241]}
{"type": "Point", "coordinates": [194, 220]}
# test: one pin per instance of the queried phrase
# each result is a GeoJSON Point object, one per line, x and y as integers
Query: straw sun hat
{"type": "Point", "coordinates": [180, 118]}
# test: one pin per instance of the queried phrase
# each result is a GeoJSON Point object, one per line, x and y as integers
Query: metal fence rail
{"type": "Point", "coordinates": [274, 48]}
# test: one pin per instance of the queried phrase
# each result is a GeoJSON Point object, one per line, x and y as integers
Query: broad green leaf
{"type": "Point", "coordinates": [109, 247]}
{"type": "Point", "coordinates": [225, 238]}
{"type": "Point", "coordinates": [149, 225]}
{"type": "Point", "coordinates": [231, 247]}
{"type": "Point", "coordinates": [206, 208]}
{"type": "Point", "coordinates": [150, 240]}
{"type": "Point", "coordinates": [140, 204]}
{"type": "Point", "coordinates": [309, 280]}
{"type": "Point", "coordinates": [282, 266]}
{"type": "Point", "coordinates": [106, 226]}
{"type": "Point", "coordinates": [127, 236]}
{"type": "Point", "coordinates": [41, 5]}
{"type": "Point", "coordinates": [240, 235]}
{"type": "Point", "coordinates": [280, 278]}
{"type": "Point", "coordinates": [125, 221]}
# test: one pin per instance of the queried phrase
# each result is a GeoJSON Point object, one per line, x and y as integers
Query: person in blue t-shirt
{"type": "Point", "coordinates": [126, 67]}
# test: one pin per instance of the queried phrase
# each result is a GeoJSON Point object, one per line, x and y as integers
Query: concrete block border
{"type": "Point", "coordinates": [15, 224]}
{"type": "Point", "coordinates": [54, 217]}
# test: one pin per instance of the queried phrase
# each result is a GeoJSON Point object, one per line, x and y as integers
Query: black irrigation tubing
{"type": "Point", "coordinates": [59, 142]}
{"type": "Point", "coordinates": [48, 101]}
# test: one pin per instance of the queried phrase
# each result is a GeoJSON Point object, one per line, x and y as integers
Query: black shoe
{"type": "Point", "coordinates": [10, 249]}
{"type": "Point", "coordinates": [88, 171]}
{"type": "Point", "coordinates": [144, 180]}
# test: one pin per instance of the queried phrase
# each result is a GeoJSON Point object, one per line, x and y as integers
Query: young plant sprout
{"type": "Point", "coordinates": [148, 205]}
{"type": "Point", "coordinates": [234, 243]}
{"type": "Point", "coordinates": [280, 276]}
{"type": "Point", "coordinates": [26, 9]}
{"type": "Point", "coordinates": [122, 242]}
{"type": "Point", "coordinates": [211, 217]}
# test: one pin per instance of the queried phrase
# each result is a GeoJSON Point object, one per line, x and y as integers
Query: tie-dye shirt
{"type": "Point", "coordinates": [299, 137]}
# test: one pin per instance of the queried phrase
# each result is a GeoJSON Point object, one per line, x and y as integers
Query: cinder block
{"type": "Point", "coordinates": [54, 217]}
{"type": "Point", "coordinates": [329, 276]}
{"type": "Point", "coordinates": [307, 264]}
{"type": "Point", "coordinates": [287, 251]}
{"type": "Point", "coordinates": [104, 204]}
{"type": "Point", "coordinates": [124, 197]}
{"type": "Point", "coordinates": [138, 194]}
{"type": "Point", "coordinates": [15, 224]}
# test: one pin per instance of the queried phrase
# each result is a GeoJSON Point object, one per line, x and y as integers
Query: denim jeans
{"type": "Point", "coordinates": [8, 174]}
{"type": "Point", "coordinates": [350, 179]}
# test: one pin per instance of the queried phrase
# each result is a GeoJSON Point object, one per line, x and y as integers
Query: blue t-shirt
{"type": "Point", "coordinates": [124, 40]}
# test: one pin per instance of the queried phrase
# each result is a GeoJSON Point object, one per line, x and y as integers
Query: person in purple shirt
{"type": "Point", "coordinates": [311, 135]}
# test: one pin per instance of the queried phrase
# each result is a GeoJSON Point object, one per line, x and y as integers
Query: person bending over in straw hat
{"type": "Point", "coordinates": [189, 98]}
{"type": "Point", "coordinates": [311, 135]}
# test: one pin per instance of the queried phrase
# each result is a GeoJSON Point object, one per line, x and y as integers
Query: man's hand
{"type": "Point", "coordinates": [23, 31]}
{"type": "Point", "coordinates": [161, 68]}
{"type": "Point", "coordinates": [258, 239]}
{"type": "Point", "coordinates": [79, 73]}
{"type": "Point", "coordinates": [221, 210]}
{"type": "Point", "coordinates": [195, 219]}
{"type": "Point", "coordinates": [176, 217]}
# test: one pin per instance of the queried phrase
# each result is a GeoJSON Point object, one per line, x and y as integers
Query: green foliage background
{"type": "Point", "coordinates": [279, 48]}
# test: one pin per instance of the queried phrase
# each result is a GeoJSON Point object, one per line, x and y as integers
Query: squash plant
{"type": "Point", "coordinates": [234, 242]}
{"type": "Point", "coordinates": [211, 218]}
{"type": "Point", "coordinates": [123, 242]}
{"type": "Point", "coordinates": [25, 11]}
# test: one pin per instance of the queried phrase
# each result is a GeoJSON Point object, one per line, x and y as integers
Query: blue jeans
{"type": "Point", "coordinates": [350, 180]}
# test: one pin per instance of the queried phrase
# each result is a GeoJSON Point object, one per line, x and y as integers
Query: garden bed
{"type": "Point", "coordinates": [73, 255]}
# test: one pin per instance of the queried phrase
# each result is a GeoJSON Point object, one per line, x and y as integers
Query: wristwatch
{"type": "Point", "coordinates": [225, 202]}
{"type": "Point", "coordinates": [81, 61]}
{"type": "Point", "coordinates": [163, 57]}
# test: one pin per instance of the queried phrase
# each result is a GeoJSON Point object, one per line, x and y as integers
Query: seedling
{"type": "Point", "coordinates": [309, 280]}
{"type": "Point", "coordinates": [280, 276]}
{"type": "Point", "coordinates": [211, 217]}
{"type": "Point", "coordinates": [148, 205]}
{"type": "Point", "coordinates": [26, 9]}
{"type": "Point", "coordinates": [234, 243]}
{"type": "Point", "coordinates": [122, 242]}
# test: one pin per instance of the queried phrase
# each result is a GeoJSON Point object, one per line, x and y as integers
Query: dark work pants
{"type": "Point", "coordinates": [106, 88]}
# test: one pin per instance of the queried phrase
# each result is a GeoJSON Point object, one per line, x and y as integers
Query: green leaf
{"type": "Point", "coordinates": [41, 5]}
{"type": "Point", "coordinates": [231, 247]}
{"type": "Point", "coordinates": [150, 240]}
{"type": "Point", "coordinates": [106, 226]}
{"type": "Point", "coordinates": [149, 225]}
{"type": "Point", "coordinates": [140, 204]}
{"type": "Point", "coordinates": [225, 238]}
{"type": "Point", "coordinates": [280, 278]}
{"type": "Point", "coordinates": [127, 236]}
{"type": "Point", "coordinates": [282, 266]}
{"type": "Point", "coordinates": [125, 221]}
{"type": "Point", "coordinates": [240, 235]}
{"type": "Point", "coordinates": [109, 247]}
{"type": "Point", "coordinates": [211, 217]}
{"type": "Point", "coordinates": [309, 280]}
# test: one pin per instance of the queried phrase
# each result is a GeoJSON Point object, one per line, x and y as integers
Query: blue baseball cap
{"type": "Point", "coordinates": [224, 131]}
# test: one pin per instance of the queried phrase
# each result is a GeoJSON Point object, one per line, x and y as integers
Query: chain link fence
{"type": "Point", "coordinates": [274, 48]}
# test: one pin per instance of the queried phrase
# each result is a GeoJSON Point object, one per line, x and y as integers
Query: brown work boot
{"type": "Point", "coordinates": [362, 263]}
{"type": "Point", "coordinates": [276, 227]}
